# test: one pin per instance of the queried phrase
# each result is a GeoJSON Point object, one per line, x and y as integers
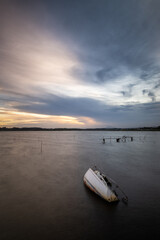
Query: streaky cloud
{"type": "Point", "coordinates": [85, 59]}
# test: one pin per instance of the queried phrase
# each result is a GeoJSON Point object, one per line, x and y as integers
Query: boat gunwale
{"type": "Point", "coordinates": [102, 181]}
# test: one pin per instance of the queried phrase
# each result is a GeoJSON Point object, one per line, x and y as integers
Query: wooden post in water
{"type": "Point", "coordinates": [41, 146]}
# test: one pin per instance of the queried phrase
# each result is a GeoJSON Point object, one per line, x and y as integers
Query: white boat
{"type": "Point", "coordinates": [104, 186]}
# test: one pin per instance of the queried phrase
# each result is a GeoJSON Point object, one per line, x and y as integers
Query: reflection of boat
{"type": "Point", "coordinates": [102, 185]}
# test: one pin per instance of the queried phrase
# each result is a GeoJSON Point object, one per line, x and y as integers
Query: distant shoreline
{"type": "Point", "coordinates": [79, 129]}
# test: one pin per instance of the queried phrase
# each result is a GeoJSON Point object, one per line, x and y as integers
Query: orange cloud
{"type": "Point", "coordinates": [9, 118]}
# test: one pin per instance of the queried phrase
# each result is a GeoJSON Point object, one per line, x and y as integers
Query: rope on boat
{"type": "Point", "coordinates": [125, 199]}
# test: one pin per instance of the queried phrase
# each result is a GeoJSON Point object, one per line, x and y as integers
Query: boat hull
{"type": "Point", "coordinates": [97, 185]}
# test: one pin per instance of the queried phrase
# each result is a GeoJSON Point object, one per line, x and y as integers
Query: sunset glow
{"type": "Point", "coordinates": [12, 118]}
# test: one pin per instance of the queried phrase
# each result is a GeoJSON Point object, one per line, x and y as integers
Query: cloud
{"type": "Point", "coordinates": [114, 34]}
{"type": "Point", "coordinates": [144, 91]}
{"type": "Point", "coordinates": [85, 59]}
{"type": "Point", "coordinates": [157, 85]}
{"type": "Point", "coordinates": [96, 112]}
{"type": "Point", "coordinates": [110, 73]}
{"type": "Point", "coordinates": [152, 95]}
{"type": "Point", "coordinates": [22, 119]}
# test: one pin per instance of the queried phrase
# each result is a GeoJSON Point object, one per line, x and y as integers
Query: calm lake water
{"type": "Point", "coordinates": [42, 195]}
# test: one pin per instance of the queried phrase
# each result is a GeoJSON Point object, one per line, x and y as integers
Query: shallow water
{"type": "Point", "coordinates": [42, 195]}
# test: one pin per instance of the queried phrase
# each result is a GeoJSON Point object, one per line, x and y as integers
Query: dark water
{"type": "Point", "coordinates": [42, 195]}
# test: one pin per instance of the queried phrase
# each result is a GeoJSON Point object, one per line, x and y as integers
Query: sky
{"type": "Point", "coordinates": [79, 64]}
